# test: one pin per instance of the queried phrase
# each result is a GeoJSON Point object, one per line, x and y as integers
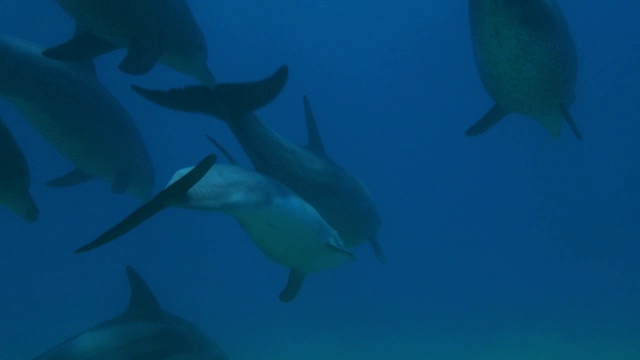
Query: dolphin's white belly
{"type": "Point", "coordinates": [283, 226]}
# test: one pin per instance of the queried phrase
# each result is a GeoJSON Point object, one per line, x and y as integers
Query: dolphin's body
{"type": "Point", "coordinates": [526, 60]}
{"type": "Point", "coordinates": [143, 331]}
{"type": "Point", "coordinates": [152, 30]}
{"type": "Point", "coordinates": [283, 226]}
{"type": "Point", "coordinates": [15, 177]}
{"type": "Point", "coordinates": [341, 198]}
{"type": "Point", "coordinates": [75, 113]}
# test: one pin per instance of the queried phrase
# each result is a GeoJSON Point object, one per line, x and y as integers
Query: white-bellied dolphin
{"type": "Point", "coordinates": [69, 107]}
{"type": "Point", "coordinates": [152, 30]}
{"type": "Point", "coordinates": [526, 60]}
{"type": "Point", "coordinates": [340, 197]}
{"type": "Point", "coordinates": [143, 331]}
{"type": "Point", "coordinates": [284, 227]}
{"type": "Point", "coordinates": [15, 177]}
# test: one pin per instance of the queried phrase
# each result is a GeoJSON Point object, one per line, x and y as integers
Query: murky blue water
{"type": "Point", "coordinates": [510, 245]}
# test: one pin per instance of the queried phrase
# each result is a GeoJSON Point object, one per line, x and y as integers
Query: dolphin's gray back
{"type": "Point", "coordinates": [524, 53]}
{"type": "Point", "coordinates": [138, 341]}
{"type": "Point", "coordinates": [340, 197]}
{"type": "Point", "coordinates": [76, 114]}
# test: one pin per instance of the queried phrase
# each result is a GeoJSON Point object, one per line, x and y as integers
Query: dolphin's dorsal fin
{"type": "Point", "coordinates": [223, 150]}
{"type": "Point", "coordinates": [315, 141]}
{"type": "Point", "coordinates": [142, 299]}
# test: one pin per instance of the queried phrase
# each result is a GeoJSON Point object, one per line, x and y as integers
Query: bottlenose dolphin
{"type": "Point", "coordinates": [526, 60]}
{"type": "Point", "coordinates": [15, 177]}
{"type": "Point", "coordinates": [284, 227]}
{"type": "Point", "coordinates": [152, 31]}
{"type": "Point", "coordinates": [341, 198]}
{"type": "Point", "coordinates": [143, 331]}
{"type": "Point", "coordinates": [67, 105]}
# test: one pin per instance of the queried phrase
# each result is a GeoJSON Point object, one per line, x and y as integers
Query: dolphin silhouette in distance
{"type": "Point", "coordinates": [15, 177]}
{"type": "Point", "coordinates": [72, 111]}
{"type": "Point", "coordinates": [526, 60]}
{"type": "Point", "coordinates": [284, 227]}
{"type": "Point", "coordinates": [151, 30]}
{"type": "Point", "coordinates": [143, 331]}
{"type": "Point", "coordinates": [341, 198]}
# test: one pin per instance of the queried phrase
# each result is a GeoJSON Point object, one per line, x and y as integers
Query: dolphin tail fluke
{"type": "Point", "coordinates": [172, 194]}
{"type": "Point", "coordinates": [72, 178]}
{"type": "Point", "coordinates": [225, 101]}
{"type": "Point", "coordinates": [492, 117]}
{"type": "Point", "coordinates": [377, 250]}
{"type": "Point", "coordinates": [569, 119]}
{"type": "Point", "coordinates": [294, 283]}
{"type": "Point", "coordinates": [82, 46]}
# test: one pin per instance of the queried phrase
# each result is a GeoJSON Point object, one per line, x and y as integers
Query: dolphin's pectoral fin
{"type": "Point", "coordinates": [315, 141]}
{"type": "Point", "coordinates": [377, 250]}
{"type": "Point", "coordinates": [492, 117]}
{"type": "Point", "coordinates": [294, 283]}
{"type": "Point", "coordinates": [73, 177]}
{"type": "Point", "coordinates": [82, 46]}
{"type": "Point", "coordinates": [141, 58]}
{"type": "Point", "coordinates": [163, 199]}
{"type": "Point", "coordinates": [569, 119]}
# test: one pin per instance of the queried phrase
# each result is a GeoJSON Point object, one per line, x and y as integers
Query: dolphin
{"type": "Point", "coordinates": [143, 331]}
{"type": "Point", "coordinates": [285, 228]}
{"type": "Point", "coordinates": [341, 198]}
{"type": "Point", "coordinates": [15, 177]}
{"type": "Point", "coordinates": [526, 60]}
{"type": "Point", "coordinates": [152, 30]}
{"type": "Point", "coordinates": [67, 105]}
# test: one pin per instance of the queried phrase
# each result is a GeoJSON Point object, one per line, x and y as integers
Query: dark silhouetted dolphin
{"type": "Point", "coordinates": [69, 107]}
{"type": "Point", "coordinates": [143, 331]}
{"type": "Point", "coordinates": [283, 226]}
{"type": "Point", "coordinates": [15, 178]}
{"type": "Point", "coordinates": [152, 31]}
{"type": "Point", "coordinates": [341, 198]}
{"type": "Point", "coordinates": [526, 60]}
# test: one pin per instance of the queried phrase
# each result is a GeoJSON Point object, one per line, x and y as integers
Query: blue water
{"type": "Point", "coordinates": [511, 245]}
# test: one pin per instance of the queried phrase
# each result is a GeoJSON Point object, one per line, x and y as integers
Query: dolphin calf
{"type": "Point", "coordinates": [284, 227]}
{"type": "Point", "coordinates": [15, 177]}
{"type": "Point", "coordinates": [340, 197]}
{"type": "Point", "coordinates": [526, 60]}
{"type": "Point", "coordinates": [67, 105]}
{"type": "Point", "coordinates": [152, 30]}
{"type": "Point", "coordinates": [143, 331]}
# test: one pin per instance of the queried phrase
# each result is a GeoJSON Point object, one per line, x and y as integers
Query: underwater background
{"type": "Point", "coordinates": [510, 245]}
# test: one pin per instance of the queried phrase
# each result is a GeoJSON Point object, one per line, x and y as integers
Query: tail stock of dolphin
{"type": "Point", "coordinates": [159, 202]}
{"type": "Point", "coordinates": [225, 101]}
